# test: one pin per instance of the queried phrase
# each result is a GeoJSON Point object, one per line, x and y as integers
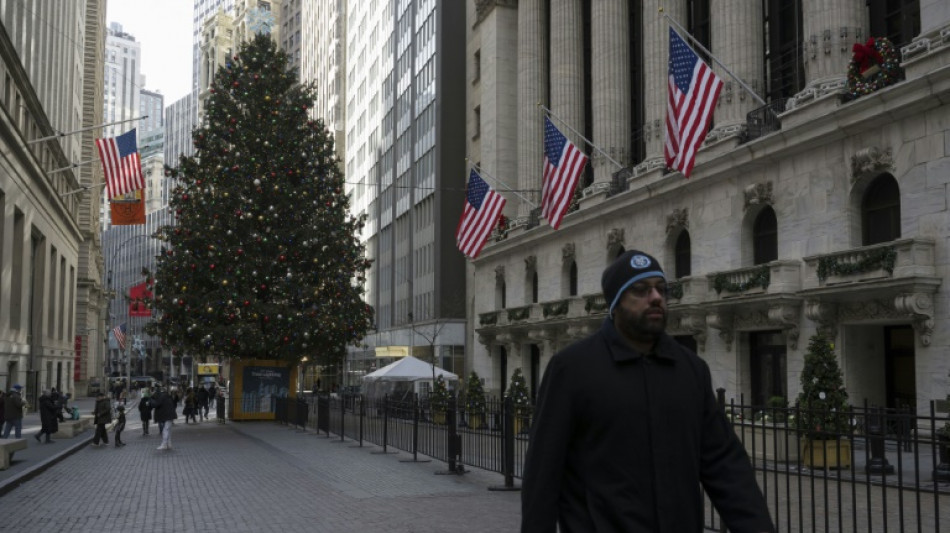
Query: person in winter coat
{"type": "Point", "coordinates": [145, 410]}
{"type": "Point", "coordinates": [50, 411]}
{"type": "Point", "coordinates": [627, 428]}
{"type": "Point", "coordinates": [165, 415]}
{"type": "Point", "coordinates": [13, 412]}
{"type": "Point", "coordinates": [119, 427]}
{"type": "Point", "coordinates": [220, 406]}
{"type": "Point", "coordinates": [191, 403]}
{"type": "Point", "coordinates": [201, 400]}
{"type": "Point", "coordinates": [102, 415]}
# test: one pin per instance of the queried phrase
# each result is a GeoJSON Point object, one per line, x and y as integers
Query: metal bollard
{"type": "Point", "coordinates": [877, 465]}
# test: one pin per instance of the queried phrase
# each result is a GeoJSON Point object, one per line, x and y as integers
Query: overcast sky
{"type": "Point", "coordinates": [164, 30]}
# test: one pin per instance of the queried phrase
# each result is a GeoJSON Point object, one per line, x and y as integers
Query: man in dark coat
{"type": "Point", "coordinates": [49, 416]}
{"type": "Point", "coordinates": [627, 427]}
{"type": "Point", "coordinates": [102, 416]}
{"type": "Point", "coordinates": [145, 409]}
{"type": "Point", "coordinates": [165, 414]}
{"type": "Point", "coordinates": [13, 405]}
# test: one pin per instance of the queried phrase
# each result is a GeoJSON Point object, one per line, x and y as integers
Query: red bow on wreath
{"type": "Point", "coordinates": [866, 56]}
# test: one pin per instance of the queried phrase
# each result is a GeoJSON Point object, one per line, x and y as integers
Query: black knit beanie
{"type": "Point", "coordinates": [629, 268]}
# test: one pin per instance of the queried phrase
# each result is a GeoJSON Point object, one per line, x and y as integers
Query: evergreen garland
{"type": "Point", "coordinates": [761, 277]}
{"type": "Point", "coordinates": [884, 258]}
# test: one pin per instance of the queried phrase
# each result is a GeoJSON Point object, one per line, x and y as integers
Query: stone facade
{"type": "Point", "coordinates": [884, 303]}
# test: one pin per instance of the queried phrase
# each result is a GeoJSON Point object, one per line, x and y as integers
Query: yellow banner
{"type": "Point", "coordinates": [204, 370]}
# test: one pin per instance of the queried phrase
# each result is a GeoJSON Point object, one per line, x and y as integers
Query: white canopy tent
{"type": "Point", "coordinates": [404, 377]}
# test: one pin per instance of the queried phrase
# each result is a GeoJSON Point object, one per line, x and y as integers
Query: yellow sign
{"type": "Point", "coordinates": [204, 370]}
{"type": "Point", "coordinates": [392, 351]}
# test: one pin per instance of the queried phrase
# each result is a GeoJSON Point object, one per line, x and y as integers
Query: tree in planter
{"type": "Point", "coordinates": [475, 400]}
{"type": "Point", "coordinates": [823, 400]}
{"type": "Point", "coordinates": [518, 392]}
{"type": "Point", "coordinates": [439, 400]}
{"type": "Point", "coordinates": [823, 406]}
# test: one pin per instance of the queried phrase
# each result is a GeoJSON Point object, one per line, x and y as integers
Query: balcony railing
{"type": "Point", "coordinates": [906, 258]}
{"type": "Point", "coordinates": [777, 277]}
{"type": "Point", "coordinates": [764, 120]}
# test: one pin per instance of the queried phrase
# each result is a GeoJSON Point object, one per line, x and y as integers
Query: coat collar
{"type": "Point", "coordinates": [620, 351]}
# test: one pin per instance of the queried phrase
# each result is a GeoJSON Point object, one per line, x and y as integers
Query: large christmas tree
{"type": "Point", "coordinates": [264, 260]}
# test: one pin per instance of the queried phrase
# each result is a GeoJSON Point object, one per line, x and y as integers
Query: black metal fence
{"type": "Point", "coordinates": [867, 469]}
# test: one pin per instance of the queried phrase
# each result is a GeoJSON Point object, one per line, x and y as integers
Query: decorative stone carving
{"type": "Point", "coordinates": [500, 274]}
{"type": "Point", "coordinates": [786, 315]}
{"type": "Point", "coordinates": [615, 238]}
{"type": "Point", "coordinates": [487, 340]}
{"type": "Point", "coordinates": [920, 306]}
{"type": "Point", "coordinates": [567, 252]}
{"type": "Point", "coordinates": [870, 161]}
{"type": "Point", "coordinates": [679, 218]}
{"type": "Point", "coordinates": [694, 323]}
{"type": "Point", "coordinates": [484, 7]}
{"type": "Point", "coordinates": [758, 193]}
{"type": "Point", "coordinates": [825, 315]}
{"type": "Point", "coordinates": [725, 323]}
{"type": "Point", "coordinates": [531, 263]}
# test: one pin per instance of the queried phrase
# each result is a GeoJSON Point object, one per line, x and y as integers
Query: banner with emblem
{"type": "Point", "coordinates": [128, 209]}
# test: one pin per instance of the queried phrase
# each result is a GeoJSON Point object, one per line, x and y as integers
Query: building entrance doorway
{"type": "Point", "coordinates": [900, 367]}
{"type": "Point", "coordinates": [767, 365]}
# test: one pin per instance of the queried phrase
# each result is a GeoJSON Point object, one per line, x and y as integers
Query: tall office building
{"type": "Point", "coordinates": [204, 9]}
{"type": "Point", "coordinates": [151, 130]}
{"type": "Point", "coordinates": [180, 120]}
{"type": "Point", "coordinates": [821, 209]}
{"type": "Point", "coordinates": [323, 62]}
{"type": "Point", "coordinates": [50, 85]}
{"type": "Point", "coordinates": [291, 23]}
{"type": "Point", "coordinates": [405, 170]}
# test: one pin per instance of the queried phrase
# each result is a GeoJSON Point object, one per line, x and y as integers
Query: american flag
{"type": "Point", "coordinates": [693, 91]}
{"type": "Point", "coordinates": [119, 332]}
{"type": "Point", "coordinates": [563, 164]}
{"type": "Point", "coordinates": [482, 208]}
{"type": "Point", "coordinates": [121, 164]}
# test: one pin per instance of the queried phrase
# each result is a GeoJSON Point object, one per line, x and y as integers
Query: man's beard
{"type": "Point", "coordinates": [640, 327]}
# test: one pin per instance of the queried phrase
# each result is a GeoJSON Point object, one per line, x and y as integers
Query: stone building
{"type": "Point", "coordinates": [812, 210]}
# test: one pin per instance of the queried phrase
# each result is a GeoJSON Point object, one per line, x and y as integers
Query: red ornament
{"type": "Point", "coordinates": [211, 266]}
{"type": "Point", "coordinates": [247, 303]}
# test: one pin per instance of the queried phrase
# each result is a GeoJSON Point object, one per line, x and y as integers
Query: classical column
{"type": "Point", "coordinates": [532, 90]}
{"type": "Point", "coordinates": [611, 95]}
{"type": "Point", "coordinates": [567, 67]}
{"type": "Point", "coordinates": [656, 51]}
{"type": "Point", "coordinates": [830, 27]}
{"type": "Point", "coordinates": [736, 28]}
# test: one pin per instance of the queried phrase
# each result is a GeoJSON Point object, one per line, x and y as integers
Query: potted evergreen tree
{"type": "Point", "coordinates": [475, 401]}
{"type": "Point", "coordinates": [823, 408]}
{"type": "Point", "coordinates": [439, 400]}
{"type": "Point", "coordinates": [518, 392]}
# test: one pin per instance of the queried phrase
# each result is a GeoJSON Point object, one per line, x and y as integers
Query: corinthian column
{"type": "Point", "coordinates": [831, 27]}
{"type": "Point", "coordinates": [736, 27]}
{"type": "Point", "coordinates": [611, 85]}
{"type": "Point", "coordinates": [532, 90]}
{"type": "Point", "coordinates": [656, 52]}
{"type": "Point", "coordinates": [567, 66]}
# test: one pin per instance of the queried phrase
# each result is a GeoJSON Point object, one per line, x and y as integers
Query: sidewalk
{"type": "Point", "coordinates": [38, 456]}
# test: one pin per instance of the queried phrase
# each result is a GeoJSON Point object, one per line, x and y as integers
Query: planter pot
{"type": "Point", "coordinates": [833, 453]}
{"type": "Point", "coordinates": [521, 424]}
{"type": "Point", "coordinates": [769, 442]}
{"type": "Point", "coordinates": [476, 420]}
{"type": "Point", "coordinates": [438, 417]}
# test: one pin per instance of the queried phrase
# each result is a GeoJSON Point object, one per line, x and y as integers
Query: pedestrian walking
{"type": "Point", "coordinates": [50, 413]}
{"type": "Point", "coordinates": [13, 406]}
{"type": "Point", "coordinates": [220, 404]}
{"type": "Point", "coordinates": [145, 410]}
{"type": "Point", "coordinates": [165, 414]}
{"type": "Point", "coordinates": [190, 406]}
{"type": "Point", "coordinates": [102, 415]}
{"type": "Point", "coordinates": [201, 400]}
{"type": "Point", "coordinates": [627, 427]}
{"type": "Point", "coordinates": [212, 394]}
{"type": "Point", "coordinates": [119, 427]}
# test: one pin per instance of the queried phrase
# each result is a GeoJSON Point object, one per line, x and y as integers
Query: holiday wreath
{"type": "Point", "coordinates": [874, 65]}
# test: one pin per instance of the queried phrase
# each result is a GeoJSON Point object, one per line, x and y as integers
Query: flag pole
{"type": "Point", "coordinates": [682, 31]}
{"type": "Point", "coordinates": [501, 183]}
{"type": "Point", "coordinates": [575, 132]}
{"type": "Point", "coordinates": [61, 134]}
{"type": "Point", "coordinates": [74, 165]}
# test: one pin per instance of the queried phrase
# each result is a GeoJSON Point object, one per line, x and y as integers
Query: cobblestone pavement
{"type": "Point", "coordinates": [250, 476]}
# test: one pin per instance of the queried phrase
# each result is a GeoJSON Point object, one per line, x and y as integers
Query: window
{"type": "Point", "coordinates": [784, 68]}
{"type": "Point", "coordinates": [534, 287]}
{"type": "Point", "coordinates": [765, 237]}
{"type": "Point", "coordinates": [898, 20]}
{"type": "Point", "coordinates": [477, 122]}
{"type": "Point", "coordinates": [881, 211]}
{"type": "Point", "coordinates": [477, 66]}
{"type": "Point", "coordinates": [572, 279]}
{"type": "Point", "coordinates": [681, 255]}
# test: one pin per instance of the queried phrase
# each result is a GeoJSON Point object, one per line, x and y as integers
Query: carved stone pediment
{"type": "Point", "coordinates": [615, 238]}
{"type": "Point", "coordinates": [531, 263]}
{"type": "Point", "coordinates": [567, 252]}
{"type": "Point", "coordinates": [871, 161]}
{"type": "Point", "coordinates": [758, 193]}
{"type": "Point", "coordinates": [679, 218]}
{"type": "Point", "coordinates": [500, 274]}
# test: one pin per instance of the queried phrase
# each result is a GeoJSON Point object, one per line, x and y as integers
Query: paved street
{"type": "Point", "coordinates": [251, 476]}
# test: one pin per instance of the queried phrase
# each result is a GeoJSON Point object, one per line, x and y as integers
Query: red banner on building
{"type": "Point", "coordinates": [128, 210]}
{"type": "Point", "coordinates": [138, 296]}
{"type": "Point", "coordinates": [77, 363]}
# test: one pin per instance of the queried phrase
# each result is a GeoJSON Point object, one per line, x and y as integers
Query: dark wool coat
{"type": "Point", "coordinates": [622, 441]}
{"type": "Point", "coordinates": [49, 414]}
{"type": "Point", "coordinates": [164, 407]}
{"type": "Point", "coordinates": [103, 411]}
{"type": "Point", "coordinates": [145, 409]}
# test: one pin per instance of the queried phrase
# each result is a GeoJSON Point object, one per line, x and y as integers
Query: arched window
{"type": "Point", "coordinates": [682, 255]}
{"type": "Point", "coordinates": [534, 287]}
{"type": "Point", "coordinates": [500, 293]}
{"type": "Point", "coordinates": [572, 279]}
{"type": "Point", "coordinates": [881, 211]}
{"type": "Point", "coordinates": [765, 237]}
